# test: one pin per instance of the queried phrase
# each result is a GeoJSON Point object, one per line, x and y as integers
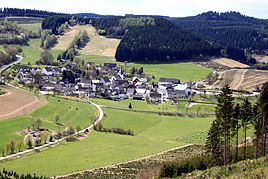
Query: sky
{"type": "Point", "coordinates": [173, 8]}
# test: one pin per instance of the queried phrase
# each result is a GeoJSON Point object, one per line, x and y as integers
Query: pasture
{"type": "Point", "coordinates": [70, 112]}
{"type": "Point", "coordinates": [34, 27]}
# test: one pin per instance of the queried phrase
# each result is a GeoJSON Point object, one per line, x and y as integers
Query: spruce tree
{"type": "Point", "coordinates": [246, 116]}
{"type": "Point", "coordinates": [236, 126]}
{"type": "Point", "coordinates": [263, 104]}
{"type": "Point", "coordinates": [224, 113]}
{"type": "Point", "coordinates": [257, 124]}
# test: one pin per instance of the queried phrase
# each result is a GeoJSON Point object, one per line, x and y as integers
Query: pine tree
{"type": "Point", "coordinates": [246, 116]}
{"type": "Point", "coordinates": [224, 113]}
{"type": "Point", "coordinates": [214, 140]}
{"type": "Point", "coordinates": [235, 126]}
{"type": "Point", "coordinates": [263, 104]}
{"type": "Point", "coordinates": [257, 124]}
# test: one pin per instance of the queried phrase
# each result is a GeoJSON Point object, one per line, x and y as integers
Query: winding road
{"type": "Point", "coordinates": [59, 140]}
{"type": "Point", "coordinates": [3, 68]}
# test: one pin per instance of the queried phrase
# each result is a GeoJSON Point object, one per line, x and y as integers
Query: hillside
{"type": "Point", "coordinates": [228, 29]}
{"type": "Point", "coordinates": [162, 41]}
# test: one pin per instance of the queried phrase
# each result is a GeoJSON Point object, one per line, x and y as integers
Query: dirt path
{"type": "Point", "coordinates": [135, 160]}
{"type": "Point", "coordinates": [238, 79]}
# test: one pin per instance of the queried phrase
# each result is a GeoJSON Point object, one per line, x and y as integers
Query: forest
{"type": "Point", "coordinates": [228, 29]}
{"type": "Point", "coordinates": [152, 43]}
{"type": "Point", "coordinates": [4, 12]}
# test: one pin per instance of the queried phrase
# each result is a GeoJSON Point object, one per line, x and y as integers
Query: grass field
{"type": "Point", "coordinates": [24, 20]}
{"type": "Point", "coordinates": [181, 106]}
{"type": "Point", "coordinates": [70, 112]}
{"type": "Point", "coordinates": [97, 150]}
{"type": "Point", "coordinates": [183, 71]}
{"type": "Point", "coordinates": [35, 27]}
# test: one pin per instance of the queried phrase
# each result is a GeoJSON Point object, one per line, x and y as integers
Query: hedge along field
{"type": "Point", "coordinates": [66, 109]}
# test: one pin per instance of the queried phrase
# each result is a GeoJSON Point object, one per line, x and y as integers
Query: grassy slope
{"type": "Point", "coordinates": [33, 27]}
{"type": "Point", "coordinates": [66, 110]}
{"type": "Point", "coordinates": [98, 149]}
{"type": "Point", "coordinates": [160, 107]}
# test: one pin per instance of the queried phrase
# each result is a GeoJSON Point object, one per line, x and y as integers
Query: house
{"type": "Point", "coordinates": [56, 71]}
{"type": "Point", "coordinates": [137, 97]}
{"type": "Point", "coordinates": [106, 81]}
{"type": "Point", "coordinates": [35, 69]}
{"type": "Point", "coordinates": [187, 90]}
{"type": "Point", "coordinates": [131, 91]}
{"type": "Point", "coordinates": [66, 68]}
{"type": "Point", "coordinates": [85, 83]}
{"type": "Point", "coordinates": [199, 84]}
{"type": "Point", "coordinates": [88, 64]}
{"type": "Point", "coordinates": [47, 71]}
{"type": "Point", "coordinates": [116, 77]}
{"type": "Point", "coordinates": [155, 97]}
{"type": "Point", "coordinates": [110, 65]}
{"type": "Point", "coordinates": [168, 81]}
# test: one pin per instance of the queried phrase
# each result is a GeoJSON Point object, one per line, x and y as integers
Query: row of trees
{"type": "Point", "coordinates": [5, 174]}
{"type": "Point", "coordinates": [230, 119]}
{"type": "Point", "coordinates": [48, 40]}
{"type": "Point", "coordinates": [25, 12]}
{"type": "Point", "coordinates": [11, 33]}
{"type": "Point", "coordinates": [80, 41]}
{"type": "Point", "coordinates": [100, 128]}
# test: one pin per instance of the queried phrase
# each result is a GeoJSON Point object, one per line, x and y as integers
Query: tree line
{"type": "Point", "coordinates": [7, 174]}
{"type": "Point", "coordinates": [228, 29]}
{"type": "Point", "coordinates": [230, 119]}
{"type": "Point", "coordinates": [4, 12]}
{"type": "Point", "coordinates": [80, 41]}
{"type": "Point", "coordinates": [11, 33]}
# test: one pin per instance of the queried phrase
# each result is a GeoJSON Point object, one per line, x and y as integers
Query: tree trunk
{"type": "Point", "coordinates": [236, 149]}
{"type": "Point", "coordinates": [263, 135]}
{"type": "Point", "coordinates": [245, 147]}
{"type": "Point", "coordinates": [257, 143]}
{"type": "Point", "coordinates": [225, 147]}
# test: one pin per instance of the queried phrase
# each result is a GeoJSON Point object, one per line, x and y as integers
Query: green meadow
{"type": "Point", "coordinates": [70, 112]}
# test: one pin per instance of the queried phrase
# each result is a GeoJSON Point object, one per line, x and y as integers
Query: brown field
{"type": "Point", "coordinates": [17, 103]}
{"type": "Point", "coordinates": [230, 63]}
{"type": "Point", "coordinates": [262, 59]}
{"type": "Point", "coordinates": [98, 45]}
{"type": "Point", "coordinates": [244, 79]}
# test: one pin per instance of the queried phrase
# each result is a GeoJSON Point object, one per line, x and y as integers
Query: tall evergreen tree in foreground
{"type": "Point", "coordinates": [246, 116]}
{"type": "Point", "coordinates": [263, 107]}
{"type": "Point", "coordinates": [236, 126]}
{"type": "Point", "coordinates": [257, 124]}
{"type": "Point", "coordinates": [224, 114]}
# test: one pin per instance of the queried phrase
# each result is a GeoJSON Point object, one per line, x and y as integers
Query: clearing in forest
{"type": "Point", "coordinates": [229, 62]}
{"type": "Point", "coordinates": [98, 45]}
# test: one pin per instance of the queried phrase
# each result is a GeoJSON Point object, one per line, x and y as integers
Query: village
{"type": "Point", "coordinates": [108, 81]}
